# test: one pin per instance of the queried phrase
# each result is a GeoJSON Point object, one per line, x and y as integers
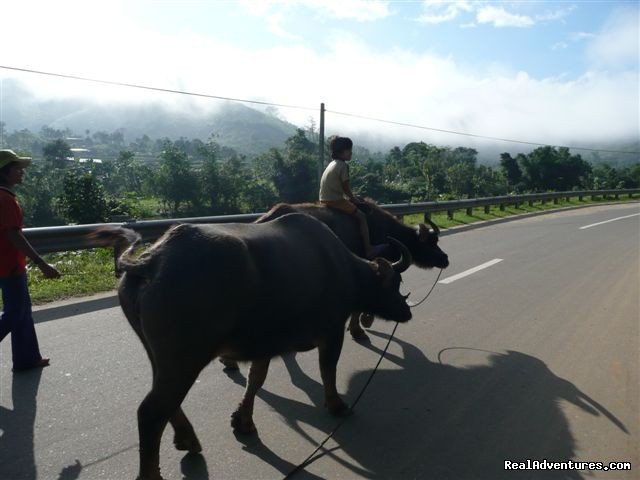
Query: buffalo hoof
{"type": "Point", "coordinates": [358, 334]}
{"type": "Point", "coordinates": [186, 440]}
{"type": "Point", "coordinates": [150, 477]}
{"type": "Point", "coordinates": [242, 425]}
{"type": "Point", "coordinates": [340, 410]}
{"type": "Point", "coordinates": [366, 319]}
{"type": "Point", "coordinates": [229, 364]}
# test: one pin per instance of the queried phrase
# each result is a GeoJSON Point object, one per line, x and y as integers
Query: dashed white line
{"type": "Point", "coordinates": [471, 271]}
{"type": "Point", "coordinates": [607, 221]}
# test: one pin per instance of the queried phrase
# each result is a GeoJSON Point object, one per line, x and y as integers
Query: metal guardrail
{"type": "Point", "coordinates": [73, 237]}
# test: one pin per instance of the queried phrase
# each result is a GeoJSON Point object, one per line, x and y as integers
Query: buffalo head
{"type": "Point", "coordinates": [386, 299]}
{"type": "Point", "coordinates": [426, 252]}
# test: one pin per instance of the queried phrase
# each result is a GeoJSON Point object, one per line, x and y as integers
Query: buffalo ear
{"type": "Point", "coordinates": [423, 232]}
{"type": "Point", "coordinates": [385, 270]}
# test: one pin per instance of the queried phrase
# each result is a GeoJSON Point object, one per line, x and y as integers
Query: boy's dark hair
{"type": "Point", "coordinates": [339, 144]}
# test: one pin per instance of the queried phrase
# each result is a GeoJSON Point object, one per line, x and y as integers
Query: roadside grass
{"type": "Point", "coordinates": [460, 217]}
{"type": "Point", "coordinates": [88, 272]}
{"type": "Point", "coordinates": [84, 272]}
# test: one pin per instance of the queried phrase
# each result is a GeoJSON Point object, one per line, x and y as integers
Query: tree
{"type": "Point", "coordinates": [175, 182]}
{"type": "Point", "coordinates": [548, 168]}
{"type": "Point", "coordinates": [233, 177]}
{"type": "Point", "coordinates": [488, 183]}
{"type": "Point", "coordinates": [82, 199]}
{"type": "Point", "coordinates": [37, 195]}
{"type": "Point", "coordinates": [460, 178]}
{"type": "Point", "coordinates": [259, 195]}
{"type": "Point", "coordinates": [293, 173]}
{"type": "Point", "coordinates": [209, 177]}
{"type": "Point", "coordinates": [511, 170]}
{"type": "Point", "coordinates": [57, 152]}
{"type": "Point", "coordinates": [128, 173]}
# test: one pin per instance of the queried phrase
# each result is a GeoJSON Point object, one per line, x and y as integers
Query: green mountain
{"type": "Point", "coordinates": [246, 130]}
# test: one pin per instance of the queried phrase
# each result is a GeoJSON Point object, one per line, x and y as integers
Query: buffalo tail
{"type": "Point", "coordinates": [124, 241]}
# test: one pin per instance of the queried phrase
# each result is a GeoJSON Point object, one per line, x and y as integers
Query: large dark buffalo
{"type": "Point", "coordinates": [421, 241]}
{"type": "Point", "coordinates": [249, 292]}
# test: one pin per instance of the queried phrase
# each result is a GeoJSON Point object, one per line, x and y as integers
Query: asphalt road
{"type": "Point", "coordinates": [535, 356]}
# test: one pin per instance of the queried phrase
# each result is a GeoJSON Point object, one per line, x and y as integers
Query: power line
{"type": "Point", "coordinates": [156, 89]}
{"type": "Point", "coordinates": [299, 107]}
{"type": "Point", "coordinates": [422, 127]}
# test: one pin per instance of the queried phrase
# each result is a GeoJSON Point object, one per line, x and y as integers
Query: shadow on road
{"type": "Point", "coordinates": [437, 421]}
{"type": "Point", "coordinates": [78, 308]}
{"type": "Point", "coordinates": [16, 443]}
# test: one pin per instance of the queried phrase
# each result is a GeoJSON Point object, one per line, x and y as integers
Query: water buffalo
{"type": "Point", "coordinates": [421, 241]}
{"type": "Point", "coordinates": [249, 292]}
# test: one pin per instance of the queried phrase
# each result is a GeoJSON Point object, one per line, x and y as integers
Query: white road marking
{"type": "Point", "coordinates": [471, 271]}
{"type": "Point", "coordinates": [607, 221]}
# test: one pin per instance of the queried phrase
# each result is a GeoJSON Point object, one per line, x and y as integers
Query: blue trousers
{"type": "Point", "coordinates": [17, 320]}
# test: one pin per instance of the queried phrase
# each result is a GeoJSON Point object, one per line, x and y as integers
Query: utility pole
{"type": "Point", "coordinates": [321, 145]}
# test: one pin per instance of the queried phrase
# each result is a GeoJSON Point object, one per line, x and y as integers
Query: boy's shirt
{"type": "Point", "coordinates": [336, 173]}
{"type": "Point", "coordinates": [12, 261]}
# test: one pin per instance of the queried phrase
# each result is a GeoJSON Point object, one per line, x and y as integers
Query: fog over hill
{"type": "Point", "coordinates": [248, 130]}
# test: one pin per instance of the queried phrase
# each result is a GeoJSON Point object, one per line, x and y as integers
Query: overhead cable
{"type": "Point", "coordinates": [156, 89]}
{"type": "Point", "coordinates": [422, 127]}
{"type": "Point", "coordinates": [299, 107]}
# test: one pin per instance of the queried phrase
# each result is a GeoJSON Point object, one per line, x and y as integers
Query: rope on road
{"type": "Point", "coordinates": [414, 305]}
{"type": "Point", "coordinates": [310, 459]}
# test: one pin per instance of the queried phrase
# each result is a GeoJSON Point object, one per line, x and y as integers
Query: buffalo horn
{"type": "Point", "coordinates": [436, 230]}
{"type": "Point", "coordinates": [405, 256]}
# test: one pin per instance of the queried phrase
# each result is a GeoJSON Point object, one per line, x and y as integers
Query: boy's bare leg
{"type": "Point", "coordinates": [364, 232]}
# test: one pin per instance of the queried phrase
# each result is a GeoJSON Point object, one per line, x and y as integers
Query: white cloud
{"type": "Point", "coordinates": [499, 17]}
{"type": "Point", "coordinates": [398, 85]}
{"type": "Point", "coordinates": [440, 11]}
{"type": "Point", "coordinates": [553, 15]}
{"type": "Point", "coordinates": [359, 10]}
{"type": "Point", "coordinates": [617, 45]}
{"type": "Point", "coordinates": [274, 20]}
{"type": "Point", "coordinates": [559, 46]}
{"type": "Point", "coordinates": [580, 36]}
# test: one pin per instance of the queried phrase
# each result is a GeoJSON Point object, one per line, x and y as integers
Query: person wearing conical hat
{"type": "Point", "coordinates": [16, 319]}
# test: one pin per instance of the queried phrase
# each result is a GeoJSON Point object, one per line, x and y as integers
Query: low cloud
{"type": "Point", "coordinates": [399, 85]}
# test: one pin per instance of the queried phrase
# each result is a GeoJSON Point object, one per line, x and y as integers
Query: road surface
{"type": "Point", "coordinates": [528, 348]}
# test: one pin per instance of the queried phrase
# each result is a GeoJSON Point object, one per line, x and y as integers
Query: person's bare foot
{"type": "Point", "coordinates": [44, 362]}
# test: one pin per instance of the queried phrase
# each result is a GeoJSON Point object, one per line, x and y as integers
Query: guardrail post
{"type": "Point", "coordinates": [427, 217]}
{"type": "Point", "coordinates": [580, 198]}
{"type": "Point", "coordinates": [555, 201]}
{"type": "Point", "coordinates": [568, 199]}
{"type": "Point", "coordinates": [594, 197]}
{"type": "Point", "coordinates": [502, 207]}
{"type": "Point", "coordinates": [630, 195]}
{"type": "Point", "coordinates": [543, 201]}
{"type": "Point", "coordinates": [450, 214]}
{"type": "Point", "coordinates": [531, 203]}
{"type": "Point", "coordinates": [469, 211]}
{"type": "Point", "coordinates": [616, 197]}
{"type": "Point", "coordinates": [487, 209]}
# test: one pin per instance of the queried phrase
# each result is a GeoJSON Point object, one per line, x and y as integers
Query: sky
{"type": "Point", "coordinates": [558, 72]}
